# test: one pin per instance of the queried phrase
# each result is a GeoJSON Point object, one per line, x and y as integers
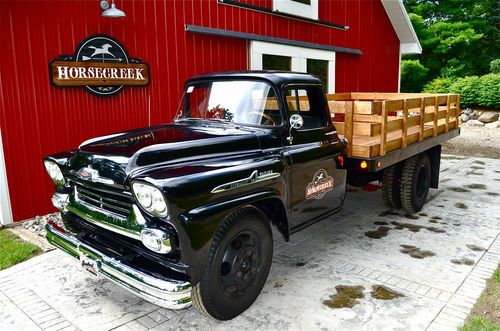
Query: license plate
{"type": "Point", "coordinates": [89, 265]}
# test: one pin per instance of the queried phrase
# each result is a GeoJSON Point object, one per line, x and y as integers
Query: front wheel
{"type": "Point", "coordinates": [415, 182]}
{"type": "Point", "coordinates": [238, 264]}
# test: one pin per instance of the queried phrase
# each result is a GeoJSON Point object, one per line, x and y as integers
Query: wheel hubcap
{"type": "Point", "coordinates": [240, 264]}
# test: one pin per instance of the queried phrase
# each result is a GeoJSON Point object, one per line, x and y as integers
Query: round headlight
{"type": "Point", "coordinates": [54, 172]}
{"type": "Point", "coordinates": [150, 198]}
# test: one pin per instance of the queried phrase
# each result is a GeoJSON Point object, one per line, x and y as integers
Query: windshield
{"type": "Point", "coordinates": [243, 102]}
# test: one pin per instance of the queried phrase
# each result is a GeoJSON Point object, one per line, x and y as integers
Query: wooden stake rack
{"type": "Point", "coordinates": [377, 123]}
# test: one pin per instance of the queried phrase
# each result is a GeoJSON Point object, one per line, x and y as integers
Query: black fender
{"type": "Point", "coordinates": [199, 225]}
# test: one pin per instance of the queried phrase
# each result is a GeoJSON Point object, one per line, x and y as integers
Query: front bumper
{"type": "Point", "coordinates": [167, 293]}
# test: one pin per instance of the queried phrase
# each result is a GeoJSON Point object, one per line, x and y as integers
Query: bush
{"type": "Point", "coordinates": [413, 75]}
{"type": "Point", "coordinates": [468, 88]}
{"type": "Point", "coordinates": [438, 85]}
{"type": "Point", "coordinates": [481, 91]}
{"type": "Point", "coordinates": [495, 66]}
{"type": "Point", "coordinates": [489, 91]}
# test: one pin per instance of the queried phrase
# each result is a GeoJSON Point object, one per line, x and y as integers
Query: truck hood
{"type": "Point", "coordinates": [117, 155]}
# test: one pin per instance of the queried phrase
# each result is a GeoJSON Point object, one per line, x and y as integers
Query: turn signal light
{"type": "Point", "coordinates": [364, 165]}
{"type": "Point", "coordinates": [340, 159]}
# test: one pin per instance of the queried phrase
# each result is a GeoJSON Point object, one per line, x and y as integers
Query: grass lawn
{"type": "Point", "coordinates": [485, 315]}
{"type": "Point", "coordinates": [13, 250]}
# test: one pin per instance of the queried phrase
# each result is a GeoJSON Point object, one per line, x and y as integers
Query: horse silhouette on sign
{"type": "Point", "coordinates": [104, 49]}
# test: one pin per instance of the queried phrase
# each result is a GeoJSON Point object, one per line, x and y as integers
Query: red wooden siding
{"type": "Point", "coordinates": [37, 119]}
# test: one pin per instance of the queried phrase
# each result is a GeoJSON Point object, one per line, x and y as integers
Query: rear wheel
{"type": "Point", "coordinates": [238, 265]}
{"type": "Point", "coordinates": [391, 186]}
{"type": "Point", "coordinates": [415, 182]}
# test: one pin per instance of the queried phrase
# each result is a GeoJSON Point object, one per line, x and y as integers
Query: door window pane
{"type": "Point", "coordinates": [276, 62]}
{"type": "Point", "coordinates": [306, 102]}
{"type": "Point", "coordinates": [319, 68]}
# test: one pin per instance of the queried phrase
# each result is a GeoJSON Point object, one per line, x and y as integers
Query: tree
{"type": "Point", "coordinates": [459, 37]}
{"type": "Point", "coordinates": [413, 76]}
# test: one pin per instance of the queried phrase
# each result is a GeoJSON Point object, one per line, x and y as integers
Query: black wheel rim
{"type": "Point", "coordinates": [240, 264]}
{"type": "Point", "coordinates": [422, 183]}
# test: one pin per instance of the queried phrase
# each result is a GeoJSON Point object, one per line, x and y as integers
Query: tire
{"type": "Point", "coordinates": [415, 183]}
{"type": "Point", "coordinates": [391, 186]}
{"type": "Point", "coordinates": [237, 267]}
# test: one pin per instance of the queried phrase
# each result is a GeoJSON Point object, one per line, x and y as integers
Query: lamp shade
{"type": "Point", "coordinates": [113, 12]}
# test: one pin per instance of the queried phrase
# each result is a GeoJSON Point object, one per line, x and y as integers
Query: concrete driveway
{"type": "Point", "coordinates": [435, 264]}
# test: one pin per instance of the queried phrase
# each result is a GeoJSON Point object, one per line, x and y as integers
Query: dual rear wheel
{"type": "Point", "coordinates": [406, 184]}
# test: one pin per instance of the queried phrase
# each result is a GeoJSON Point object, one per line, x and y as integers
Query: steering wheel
{"type": "Point", "coordinates": [266, 116]}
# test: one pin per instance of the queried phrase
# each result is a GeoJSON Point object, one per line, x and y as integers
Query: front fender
{"type": "Point", "coordinates": [199, 225]}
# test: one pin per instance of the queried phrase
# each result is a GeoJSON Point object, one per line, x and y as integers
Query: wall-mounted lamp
{"type": "Point", "coordinates": [111, 12]}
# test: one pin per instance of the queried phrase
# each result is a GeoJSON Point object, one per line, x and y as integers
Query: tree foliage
{"type": "Point", "coordinates": [413, 75]}
{"type": "Point", "coordinates": [459, 37]}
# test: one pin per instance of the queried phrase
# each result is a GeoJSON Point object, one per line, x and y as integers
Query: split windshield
{"type": "Point", "coordinates": [245, 102]}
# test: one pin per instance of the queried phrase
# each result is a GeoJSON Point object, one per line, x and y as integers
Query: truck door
{"type": "Point", "coordinates": [316, 186]}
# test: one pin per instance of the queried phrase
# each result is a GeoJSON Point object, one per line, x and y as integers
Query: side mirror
{"type": "Point", "coordinates": [296, 122]}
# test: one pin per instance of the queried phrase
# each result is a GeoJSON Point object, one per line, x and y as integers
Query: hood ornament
{"type": "Point", "coordinates": [92, 175]}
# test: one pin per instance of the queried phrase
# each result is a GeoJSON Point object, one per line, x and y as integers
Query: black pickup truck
{"type": "Point", "coordinates": [182, 213]}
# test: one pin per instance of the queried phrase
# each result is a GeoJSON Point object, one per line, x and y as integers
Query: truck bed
{"type": "Point", "coordinates": [375, 124]}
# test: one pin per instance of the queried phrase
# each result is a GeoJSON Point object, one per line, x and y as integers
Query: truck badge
{"type": "Point", "coordinates": [321, 184]}
{"type": "Point", "coordinates": [92, 175]}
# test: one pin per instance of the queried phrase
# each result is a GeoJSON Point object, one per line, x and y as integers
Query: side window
{"type": "Point", "coordinates": [307, 103]}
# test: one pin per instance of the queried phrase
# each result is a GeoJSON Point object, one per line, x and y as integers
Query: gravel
{"type": "Point", "coordinates": [475, 141]}
{"type": "Point", "coordinates": [37, 224]}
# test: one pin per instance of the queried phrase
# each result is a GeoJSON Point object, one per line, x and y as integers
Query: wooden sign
{"type": "Point", "coordinates": [100, 65]}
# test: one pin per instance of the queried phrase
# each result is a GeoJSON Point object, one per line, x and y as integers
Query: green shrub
{"type": "Point", "coordinates": [489, 91]}
{"type": "Point", "coordinates": [481, 91]}
{"type": "Point", "coordinates": [495, 66]}
{"type": "Point", "coordinates": [438, 85]}
{"type": "Point", "coordinates": [413, 75]}
{"type": "Point", "coordinates": [468, 88]}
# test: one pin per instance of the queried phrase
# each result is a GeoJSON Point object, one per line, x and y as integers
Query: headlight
{"type": "Point", "coordinates": [150, 198]}
{"type": "Point", "coordinates": [54, 172]}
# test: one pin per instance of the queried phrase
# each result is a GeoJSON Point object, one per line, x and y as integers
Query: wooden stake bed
{"type": "Point", "coordinates": [377, 123]}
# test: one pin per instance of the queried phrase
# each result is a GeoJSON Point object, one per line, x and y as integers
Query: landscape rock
{"type": "Point", "coordinates": [474, 123]}
{"type": "Point", "coordinates": [464, 117]}
{"type": "Point", "coordinates": [494, 125]}
{"type": "Point", "coordinates": [37, 224]}
{"type": "Point", "coordinates": [468, 112]}
{"type": "Point", "coordinates": [488, 117]}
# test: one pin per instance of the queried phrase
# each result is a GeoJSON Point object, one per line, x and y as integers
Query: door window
{"type": "Point", "coordinates": [305, 102]}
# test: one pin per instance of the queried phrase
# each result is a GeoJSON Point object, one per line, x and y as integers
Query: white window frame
{"type": "Point", "coordinates": [299, 57]}
{"type": "Point", "coordinates": [5, 208]}
{"type": "Point", "coordinates": [297, 8]}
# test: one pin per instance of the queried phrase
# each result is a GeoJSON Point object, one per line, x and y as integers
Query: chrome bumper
{"type": "Point", "coordinates": [172, 294]}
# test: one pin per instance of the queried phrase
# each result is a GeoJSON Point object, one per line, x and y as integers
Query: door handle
{"type": "Point", "coordinates": [330, 133]}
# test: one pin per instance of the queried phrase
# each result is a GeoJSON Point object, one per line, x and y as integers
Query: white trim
{"type": "Point", "coordinates": [299, 57]}
{"type": "Point", "coordinates": [296, 8]}
{"type": "Point", "coordinates": [402, 25]}
{"type": "Point", "coordinates": [5, 208]}
{"type": "Point", "coordinates": [399, 68]}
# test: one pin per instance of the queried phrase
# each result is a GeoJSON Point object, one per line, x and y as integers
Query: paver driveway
{"type": "Point", "coordinates": [459, 248]}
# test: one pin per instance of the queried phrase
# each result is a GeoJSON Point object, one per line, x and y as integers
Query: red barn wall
{"type": "Point", "coordinates": [37, 119]}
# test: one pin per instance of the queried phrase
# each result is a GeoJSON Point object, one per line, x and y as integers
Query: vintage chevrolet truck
{"type": "Point", "coordinates": [182, 213]}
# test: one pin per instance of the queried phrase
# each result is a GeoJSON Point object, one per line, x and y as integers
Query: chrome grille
{"type": "Point", "coordinates": [104, 201]}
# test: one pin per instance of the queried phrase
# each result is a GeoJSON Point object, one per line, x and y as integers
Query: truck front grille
{"type": "Point", "coordinates": [104, 201]}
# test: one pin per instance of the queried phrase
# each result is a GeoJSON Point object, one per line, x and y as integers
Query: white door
{"type": "Point", "coordinates": [5, 210]}
{"type": "Point", "coordinates": [269, 56]}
